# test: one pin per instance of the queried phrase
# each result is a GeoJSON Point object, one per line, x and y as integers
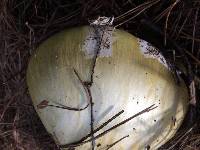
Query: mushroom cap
{"type": "Point", "coordinates": [129, 74]}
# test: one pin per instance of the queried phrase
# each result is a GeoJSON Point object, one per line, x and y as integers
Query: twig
{"type": "Point", "coordinates": [129, 12]}
{"type": "Point", "coordinates": [178, 140]}
{"type": "Point", "coordinates": [99, 40]}
{"type": "Point", "coordinates": [96, 130]}
{"type": "Point", "coordinates": [112, 128]}
{"type": "Point", "coordinates": [101, 126]}
{"type": "Point", "coordinates": [194, 29]}
{"type": "Point", "coordinates": [111, 145]}
{"type": "Point", "coordinates": [83, 84]}
{"type": "Point", "coordinates": [151, 4]}
{"type": "Point", "coordinates": [31, 34]}
{"type": "Point", "coordinates": [192, 56]}
{"type": "Point", "coordinates": [162, 14]}
{"type": "Point", "coordinates": [10, 100]}
{"type": "Point", "coordinates": [89, 84]}
{"type": "Point", "coordinates": [166, 22]}
{"type": "Point", "coordinates": [184, 22]}
{"type": "Point", "coordinates": [45, 104]}
{"type": "Point", "coordinates": [92, 119]}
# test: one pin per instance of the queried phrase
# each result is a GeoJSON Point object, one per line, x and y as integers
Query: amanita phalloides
{"type": "Point", "coordinates": [80, 78]}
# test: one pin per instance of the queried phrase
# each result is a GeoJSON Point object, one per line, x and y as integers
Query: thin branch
{"type": "Point", "coordinates": [113, 144]}
{"type": "Point", "coordinates": [97, 129]}
{"type": "Point", "coordinates": [112, 128]}
{"type": "Point", "coordinates": [192, 56]}
{"type": "Point", "coordinates": [178, 140]}
{"type": "Point", "coordinates": [92, 118]}
{"type": "Point", "coordinates": [129, 12]}
{"type": "Point", "coordinates": [184, 22]}
{"type": "Point", "coordinates": [45, 104]}
{"type": "Point", "coordinates": [194, 29]}
{"type": "Point", "coordinates": [97, 51]}
{"type": "Point", "coordinates": [161, 15]}
{"type": "Point", "coordinates": [151, 4]}
{"type": "Point", "coordinates": [166, 22]}
{"type": "Point", "coordinates": [101, 126]}
{"type": "Point", "coordinates": [89, 84]}
{"type": "Point", "coordinates": [83, 84]}
{"type": "Point", "coordinates": [69, 108]}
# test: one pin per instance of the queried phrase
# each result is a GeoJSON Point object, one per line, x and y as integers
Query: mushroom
{"type": "Point", "coordinates": [118, 72]}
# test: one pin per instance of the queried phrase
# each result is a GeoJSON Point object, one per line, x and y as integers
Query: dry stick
{"type": "Point", "coordinates": [166, 22]}
{"type": "Point", "coordinates": [176, 24]}
{"type": "Point", "coordinates": [10, 101]}
{"type": "Point", "coordinates": [188, 37]}
{"type": "Point", "coordinates": [45, 103]}
{"type": "Point", "coordinates": [194, 29]}
{"type": "Point", "coordinates": [21, 69]}
{"type": "Point", "coordinates": [192, 56]}
{"type": "Point", "coordinates": [112, 128]}
{"type": "Point", "coordinates": [82, 83]}
{"type": "Point", "coordinates": [184, 22]}
{"type": "Point", "coordinates": [88, 85]}
{"type": "Point", "coordinates": [67, 18]}
{"type": "Point", "coordinates": [133, 10]}
{"type": "Point", "coordinates": [161, 15]}
{"type": "Point", "coordinates": [96, 130]}
{"type": "Point", "coordinates": [171, 147]}
{"type": "Point", "coordinates": [87, 89]}
{"type": "Point", "coordinates": [50, 21]}
{"type": "Point", "coordinates": [113, 144]}
{"type": "Point", "coordinates": [69, 108]}
{"type": "Point", "coordinates": [92, 118]}
{"type": "Point", "coordinates": [103, 125]}
{"type": "Point", "coordinates": [31, 34]}
{"type": "Point", "coordinates": [136, 14]}
{"type": "Point", "coordinates": [97, 52]}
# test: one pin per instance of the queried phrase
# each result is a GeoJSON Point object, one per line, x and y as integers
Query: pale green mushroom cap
{"type": "Point", "coordinates": [126, 77]}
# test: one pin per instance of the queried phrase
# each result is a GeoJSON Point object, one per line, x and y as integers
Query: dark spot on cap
{"type": "Point", "coordinates": [98, 144]}
{"type": "Point", "coordinates": [174, 120]}
{"type": "Point", "coordinates": [155, 120]}
{"type": "Point", "coordinates": [137, 102]}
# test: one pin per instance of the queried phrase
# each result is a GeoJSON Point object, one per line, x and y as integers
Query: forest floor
{"type": "Point", "coordinates": [171, 25]}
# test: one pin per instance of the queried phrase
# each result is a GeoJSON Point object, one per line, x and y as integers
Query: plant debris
{"type": "Point", "coordinates": [172, 26]}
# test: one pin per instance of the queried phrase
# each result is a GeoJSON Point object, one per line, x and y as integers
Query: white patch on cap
{"type": "Point", "coordinates": [98, 37]}
{"type": "Point", "coordinates": [102, 21]}
{"type": "Point", "coordinates": [150, 51]}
